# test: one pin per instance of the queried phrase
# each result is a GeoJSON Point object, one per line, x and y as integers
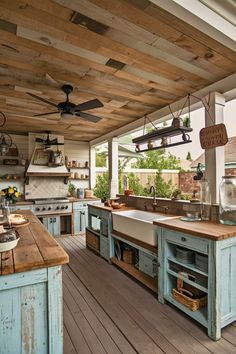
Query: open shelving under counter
{"type": "Point", "coordinates": [143, 278]}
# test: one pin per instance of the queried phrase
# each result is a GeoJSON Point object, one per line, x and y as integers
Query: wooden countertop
{"type": "Point", "coordinates": [206, 229]}
{"type": "Point", "coordinates": [24, 202]}
{"type": "Point", "coordinates": [36, 249]}
{"type": "Point", "coordinates": [103, 207]}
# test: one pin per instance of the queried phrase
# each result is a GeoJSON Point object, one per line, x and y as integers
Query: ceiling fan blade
{"type": "Point", "coordinates": [44, 114]}
{"type": "Point", "coordinates": [56, 143]}
{"type": "Point", "coordinates": [89, 117]}
{"type": "Point", "coordinates": [41, 99]}
{"type": "Point", "coordinates": [88, 105]}
{"type": "Point", "coordinates": [39, 140]}
{"type": "Point", "coordinates": [53, 141]}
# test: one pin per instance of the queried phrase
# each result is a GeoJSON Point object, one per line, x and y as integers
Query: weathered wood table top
{"type": "Point", "coordinates": [212, 230]}
{"type": "Point", "coordinates": [107, 208]}
{"type": "Point", "coordinates": [36, 249]}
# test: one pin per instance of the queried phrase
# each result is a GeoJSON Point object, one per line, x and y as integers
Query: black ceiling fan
{"type": "Point", "coordinates": [47, 142]}
{"type": "Point", "coordinates": [68, 109]}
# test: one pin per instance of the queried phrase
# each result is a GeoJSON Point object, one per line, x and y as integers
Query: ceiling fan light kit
{"type": "Point", "coordinates": [69, 110]}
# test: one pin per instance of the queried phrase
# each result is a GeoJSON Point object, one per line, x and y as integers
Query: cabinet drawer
{"type": "Point", "coordinates": [186, 240]}
{"type": "Point", "coordinates": [92, 240]}
{"type": "Point", "coordinates": [94, 211]}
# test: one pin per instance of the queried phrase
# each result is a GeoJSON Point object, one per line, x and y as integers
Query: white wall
{"type": "Point", "coordinates": [74, 150]}
{"type": "Point", "coordinates": [78, 151]}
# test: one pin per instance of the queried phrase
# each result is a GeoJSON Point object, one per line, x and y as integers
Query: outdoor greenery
{"type": "Point", "coordinates": [101, 190]}
{"type": "Point", "coordinates": [159, 160]}
{"type": "Point", "coordinates": [100, 159]}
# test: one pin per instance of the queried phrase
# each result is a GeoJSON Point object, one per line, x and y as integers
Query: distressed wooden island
{"type": "Point", "coordinates": [31, 293]}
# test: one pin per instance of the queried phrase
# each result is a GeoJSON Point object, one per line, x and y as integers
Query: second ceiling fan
{"type": "Point", "coordinates": [68, 109]}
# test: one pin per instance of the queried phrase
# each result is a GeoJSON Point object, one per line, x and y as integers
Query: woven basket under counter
{"type": "Point", "coordinates": [184, 296]}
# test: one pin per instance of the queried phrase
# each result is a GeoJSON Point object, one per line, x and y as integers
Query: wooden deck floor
{"type": "Point", "coordinates": [105, 311]}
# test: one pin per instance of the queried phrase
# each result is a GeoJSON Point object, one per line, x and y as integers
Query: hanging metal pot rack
{"type": "Point", "coordinates": [177, 128]}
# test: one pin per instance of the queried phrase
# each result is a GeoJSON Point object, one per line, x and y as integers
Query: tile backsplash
{"type": "Point", "coordinates": [45, 187]}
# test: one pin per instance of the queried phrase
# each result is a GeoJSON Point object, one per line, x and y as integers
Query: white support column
{"type": "Point", "coordinates": [113, 166]}
{"type": "Point", "coordinates": [215, 157]}
{"type": "Point", "coordinates": [92, 164]}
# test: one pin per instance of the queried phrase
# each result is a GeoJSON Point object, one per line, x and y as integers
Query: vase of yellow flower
{"type": "Point", "coordinates": [10, 194]}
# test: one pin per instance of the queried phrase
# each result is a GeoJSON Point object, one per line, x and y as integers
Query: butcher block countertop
{"type": "Point", "coordinates": [36, 249]}
{"type": "Point", "coordinates": [103, 207]}
{"type": "Point", "coordinates": [212, 230]}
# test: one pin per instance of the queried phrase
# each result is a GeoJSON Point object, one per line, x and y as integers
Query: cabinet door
{"type": "Point", "coordinates": [52, 224]}
{"type": "Point", "coordinates": [56, 226]}
{"type": "Point", "coordinates": [76, 218]}
{"type": "Point", "coordinates": [83, 219]}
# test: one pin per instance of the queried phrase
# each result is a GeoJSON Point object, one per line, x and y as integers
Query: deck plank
{"type": "Point", "coordinates": [123, 316]}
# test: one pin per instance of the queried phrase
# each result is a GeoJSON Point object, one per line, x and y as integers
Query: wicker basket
{"type": "Point", "coordinates": [184, 297]}
{"type": "Point", "coordinates": [128, 256]}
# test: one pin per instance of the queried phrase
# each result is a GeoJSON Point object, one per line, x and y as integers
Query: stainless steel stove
{"type": "Point", "coordinates": [52, 206]}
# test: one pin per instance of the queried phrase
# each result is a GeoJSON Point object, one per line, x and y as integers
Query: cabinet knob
{"type": "Point", "coordinates": [183, 239]}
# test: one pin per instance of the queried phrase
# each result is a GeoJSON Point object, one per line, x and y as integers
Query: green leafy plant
{"type": "Point", "coordinates": [71, 189]}
{"type": "Point", "coordinates": [159, 160]}
{"type": "Point", "coordinates": [176, 194]}
{"type": "Point", "coordinates": [10, 194]}
{"type": "Point", "coordinates": [101, 190]}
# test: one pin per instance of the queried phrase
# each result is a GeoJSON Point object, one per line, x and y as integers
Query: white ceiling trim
{"type": "Point", "coordinates": [225, 86]}
{"type": "Point", "coordinates": [203, 18]}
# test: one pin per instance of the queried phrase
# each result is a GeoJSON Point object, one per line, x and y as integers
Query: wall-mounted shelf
{"type": "Point", "coordinates": [77, 168]}
{"type": "Point", "coordinates": [79, 179]}
{"type": "Point", "coordinates": [46, 174]}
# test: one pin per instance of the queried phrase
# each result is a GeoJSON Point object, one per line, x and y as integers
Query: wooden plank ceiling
{"type": "Point", "coordinates": [130, 54]}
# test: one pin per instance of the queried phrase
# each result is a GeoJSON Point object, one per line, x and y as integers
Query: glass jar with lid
{"type": "Point", "coordinates": [205, 198]}
{"type": "Point", "coordinates": [227, 207]}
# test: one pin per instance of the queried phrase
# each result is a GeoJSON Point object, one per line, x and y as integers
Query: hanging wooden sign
{"type": "Point", "coordinates": [213, 136]}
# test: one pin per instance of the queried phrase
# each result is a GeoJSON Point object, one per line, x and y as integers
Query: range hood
{"type": "Point", "coordinates": [38, 167]}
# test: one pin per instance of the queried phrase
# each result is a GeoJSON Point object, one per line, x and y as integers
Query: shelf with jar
{"type": "Point", "coordinates": [79, 176]}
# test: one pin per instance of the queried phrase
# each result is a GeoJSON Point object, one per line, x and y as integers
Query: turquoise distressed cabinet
{"type": "Point", "coordinates": [31, 293]}
{"type": "Point", "coordinates": [52, 224]}
{"type": "Point", "coordinates": [216, 278]}
{"type": "Point", "coordinates": [31, 307]}
{"type": "Point", "coordinates": [100, 225]}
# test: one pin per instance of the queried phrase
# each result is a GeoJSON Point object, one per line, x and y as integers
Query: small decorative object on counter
{"type": "Point", "coordinates": [227, 207]}
{"type": "Point", "coordinates": [10, 194]}
{"type": "Point", "coordinates": [88, 193]}
{"type": "Point", "coordinates": [8, 239]}
{"type": "Point", "coordinates": [80, 193]}
{"type": "Point", "coordinates": [129, 192]}
{"type": "Point", "coordinates": [72, 189]}
{"type": "Point", "coordinates": [86, 164]}
{"type": "Point", "coordinates": [205, 197]}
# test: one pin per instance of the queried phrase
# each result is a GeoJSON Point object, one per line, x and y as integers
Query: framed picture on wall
{"type": "Point", "coordinates": [41, 157]}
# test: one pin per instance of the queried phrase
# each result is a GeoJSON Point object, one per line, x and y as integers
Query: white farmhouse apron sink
{"type": "Point", "coordinates": [138, 224]}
